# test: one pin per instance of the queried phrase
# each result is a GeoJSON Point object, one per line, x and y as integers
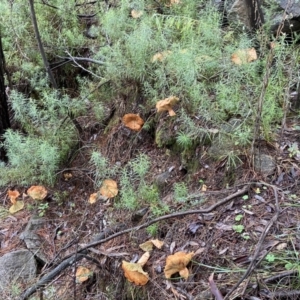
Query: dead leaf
{"type": "Point", "coordinates": [144, 258]}
{"type": "Point", "coordinates": [134, 273]}
{"type": "Point", "coordinates": [167, 104]}
{"type": "Point", "coordinates": [222, 226]}
{"type": "Point", "coordinates": [18, 205]}
{"type": "Point", "coordinates": [160, 56]}
{"type": "Point", "coordinates": [109, 188]}
{"type": "Point", "coordinates": [281, 246]}
{"type": "Point", "coordinates": [13, 195]}
{"type": "Point", "coordinates": [157, 243]}
{"type": "Point", "coordinates": [82, 274]}
{"type": "Point", "coordinates": [223, 251]}
{"type": "Point", "coordinates": [204, 188]}
{"type": "Point", "coordinates": [67, 176]}
{"type": "Point", "coordinates": [193, 227]}
{"type": "Point", "coordinates": [93, 198]}
{"type": "Point", "coordinates": [256, 190]}
{"type": "Point", "coordinates": [136, 14]}
{"type": "Point", "coordinates": [147, 246]}
{"type": "Point", "coordinates": [192, 243]}
{"type": "Point", "coordinates": [172, 2]}
{"type": "Point", "coordinates": [172, 247]}
{"type": "Point", "coordinates": [37, 192]}
{"type": "Point", "coordinates": [177, 262]}
{"type": "Point", "coordinates": [199, 251]}
{"type": "Point", "coordinates": [133, 121]}
{"type": "Point", "coordinates": [244, 56]}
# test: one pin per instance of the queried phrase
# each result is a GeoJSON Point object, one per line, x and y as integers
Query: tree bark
{"type": "Point", "coordinates": [256, 16]}
{"type": "Point", "coordinates": [4, 115]}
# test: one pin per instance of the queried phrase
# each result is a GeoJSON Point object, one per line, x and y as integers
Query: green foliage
{"type": "Point", "coordinates": [31, 159]}
{"type": "Point", "coordinates": [101, 167]}
{"type": "Point", "coordinates": [135, 190]}
{"type": "Point", "coordinates": [42, 208]}
{"type": "Point", "coordinates": [238, 217]}
{"type": "Point", "coordinates": [184, 140]}
{"type": "Point", "coordinates": [133, 184]}
{"type": "Point", "coordinates": [180, 191]}
{"type": "Point", "coordinates": [270, 257]}
{"type": "Point", "coordinates": [238, 228]}
{"type": "Point", "coordinates": [36, 155]}
{"type": "Point", "coordinates": [152, 229]}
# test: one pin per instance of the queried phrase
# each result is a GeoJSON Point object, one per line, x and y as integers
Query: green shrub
{"type": "Point", "coordinates": [30, 159]}
{"type": "Point", "coordinates": [36, 155]}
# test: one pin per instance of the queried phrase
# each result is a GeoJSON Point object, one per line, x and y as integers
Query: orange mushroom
{"type": "Point", "coordinates": [109, 188]}
{"type": "Point", "coordinates": [37, 192]}
{"type": "Point", "coordinates": [135, 273]}
{"type": "Point", "coordinates": [244, 56]}
{"type": "Point", "coordinates": [177, 263]}
{"type": "Point", "coordinates": [13, 195]}
{"type": "Point", "coordinates": [167, 104]}
{"type": "Point", "coordinates": [133, 121]}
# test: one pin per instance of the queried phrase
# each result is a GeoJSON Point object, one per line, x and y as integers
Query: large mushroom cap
{"type": "Point", "coordinates": [133, 121]}
{"type": "Point", "coordinates": [109, 188]}
{"type": "Point", "coordinates": [134, 273]}
{"type": "Point", "coordinates": [37, 192]}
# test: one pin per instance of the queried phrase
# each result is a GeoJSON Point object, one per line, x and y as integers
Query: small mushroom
{"type": "Point", "coordinates": [133, 121]}
{"type": "Point", "coordinates": [13, 195]}
{"type": "Point", "coordinates": [177, 263]}
{"type": "Point", "coordinates": [167, 104]}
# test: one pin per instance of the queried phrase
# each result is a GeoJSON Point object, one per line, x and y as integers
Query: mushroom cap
{"type": "Point", "coordinates": [167, 104]}
{"type": "Point", "coordinates": [133, 121]}
{"type": "Point", "coordinates": [109, 188]}
{"type": "Point", "coordinates": [37, 192]}
{"type": "Point", "coordinates": [243, 56]}
{"type": "Point", "coordinates": [13, 195]}
{"type": "Point", "coordinates": [134, 273]}
{"type": "Point", "coordinates": [177, 263]}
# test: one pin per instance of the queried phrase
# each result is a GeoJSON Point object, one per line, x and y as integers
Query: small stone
{"type": "Point", "coordinates": [264, 164]}
{"type": "Point", "coordinates": [162, 179]}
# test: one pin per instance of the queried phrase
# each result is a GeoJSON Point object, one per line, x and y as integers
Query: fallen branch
{"type": "Point", "coordinates": [281, 275]}
{"type": "Point", "coordinates": [100, 239]}
{"type": "Point", "coordinates": [214, 289]}
{"type": "Point", "coordinates": [293, 294]}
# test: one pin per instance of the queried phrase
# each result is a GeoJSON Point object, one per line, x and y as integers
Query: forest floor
{"type": "Point", "coordinates": [253, 235]}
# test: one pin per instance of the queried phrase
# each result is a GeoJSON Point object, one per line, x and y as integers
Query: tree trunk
{"type": "Point", "coordinates": [255, 13]}
{"type": "Point", "coordinates": [4, 115]}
